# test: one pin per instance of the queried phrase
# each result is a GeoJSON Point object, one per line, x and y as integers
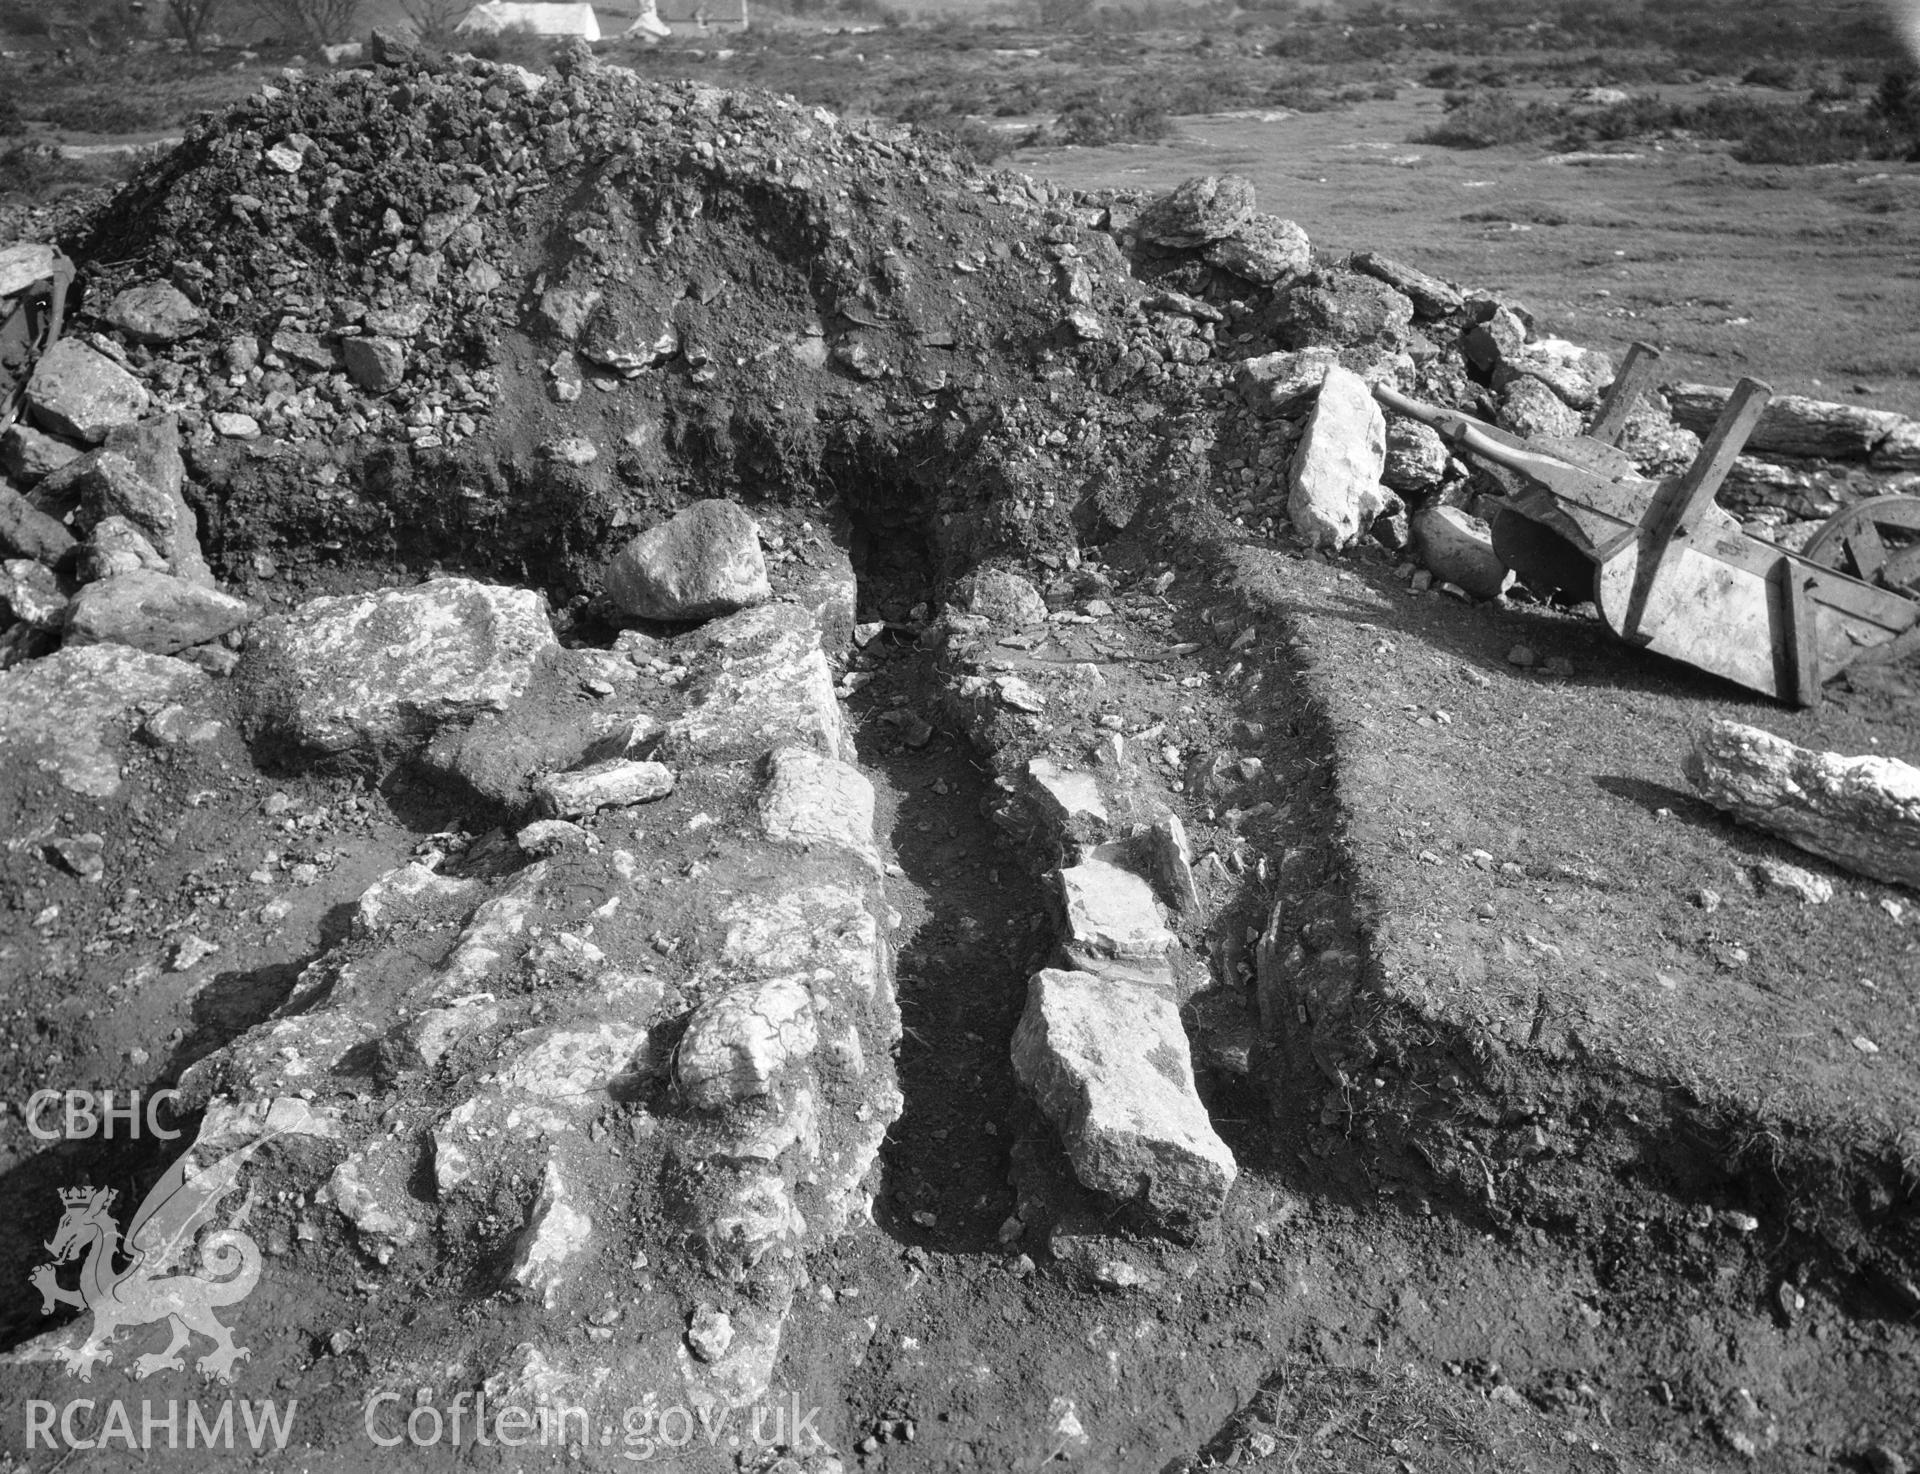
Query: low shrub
{"type": "Point", "coordinates": [1093, 121]}
{"type": "Point", "coordinates": [108, 114]}
{"type": "Point", "coordinates": [1483, 120]}
{"type": "Point", "coordinates": [970, 138]}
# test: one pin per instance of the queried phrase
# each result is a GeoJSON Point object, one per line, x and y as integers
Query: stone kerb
{"type": "Point", "coordinates": [1101, 1046]}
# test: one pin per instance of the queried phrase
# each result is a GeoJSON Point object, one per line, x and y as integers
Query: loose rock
{"type": "Point", "coordinates": [1459, 549]}
{"type": "Point", "coordinates": [152, 611]}
{"type": "Point", "coordinates": [155, 312]}
{"type": "Point", "coordinates": [82, 393]}
{"type": "Point", "coordinates": [615, 783]}
{"type": "Point", "coordinates": [702, 562]}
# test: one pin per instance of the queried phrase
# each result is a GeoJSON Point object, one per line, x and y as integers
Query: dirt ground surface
{"type": "Point", "coordinates": [1589, 1172]}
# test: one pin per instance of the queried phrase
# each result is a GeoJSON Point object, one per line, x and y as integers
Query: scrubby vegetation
{"type": "Point", "coordinates": [1828, 127]}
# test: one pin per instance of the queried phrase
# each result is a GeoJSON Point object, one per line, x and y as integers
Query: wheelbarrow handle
{"type": "Point", "coordinates": [1464, 432]}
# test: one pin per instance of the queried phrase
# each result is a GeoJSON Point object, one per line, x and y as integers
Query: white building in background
{"type": "Point", "coordinates": [533, 17]}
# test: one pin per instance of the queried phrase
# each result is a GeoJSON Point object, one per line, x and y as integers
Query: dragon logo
{"type": "Point", "coordinates": [144, 1291]}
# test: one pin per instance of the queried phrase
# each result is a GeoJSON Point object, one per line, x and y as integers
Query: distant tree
{"type": "Point", "coordinates": [193, 19]}
{"type": "Point", "coordinates": [433, 20]}
{"type": "Point", "coordinates": [316, 22]}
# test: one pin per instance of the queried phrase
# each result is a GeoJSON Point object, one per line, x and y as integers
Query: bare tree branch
{"type": "Point", "coordinates": [316, 22]}
{"type": "Point", "coordinates": [434, 20]}
{"type": "Point", "coordinates": [193, 19]}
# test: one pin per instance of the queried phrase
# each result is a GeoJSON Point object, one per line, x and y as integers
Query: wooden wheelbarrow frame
{"type": "Point", "coordinates": [1672, 571]}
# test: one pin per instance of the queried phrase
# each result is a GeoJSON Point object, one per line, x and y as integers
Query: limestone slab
{"type": "Point", "coordinates": [1109, 1065]}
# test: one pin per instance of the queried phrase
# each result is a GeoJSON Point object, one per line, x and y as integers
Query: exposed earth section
{"type": "Point", "coordinates": [734, 766]}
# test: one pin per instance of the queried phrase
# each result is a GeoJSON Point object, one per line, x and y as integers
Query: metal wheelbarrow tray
{"type": "Point", "coordinates": [1673, 572]}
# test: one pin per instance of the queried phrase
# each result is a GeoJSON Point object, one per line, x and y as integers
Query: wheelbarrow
{"type": "Point", "coordinates": [1670, 570]}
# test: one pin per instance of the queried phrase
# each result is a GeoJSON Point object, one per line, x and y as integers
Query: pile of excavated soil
{"type": "Point", "coordinates": [603, 295]}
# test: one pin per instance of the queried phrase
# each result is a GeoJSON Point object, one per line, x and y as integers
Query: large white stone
{"type": "Point", "coordinates": [1109, 1065]}
{"type": "Point", "coordinates": [1334, 486]}
{"type": "Point", "coordinates": [69, 713]}
{"type": "Point", "coordinates": [1860, 812]}
{"type": "Point", "coordinates": [366, 672]}
{"type": "Point", "coordinates": [556, 1233]}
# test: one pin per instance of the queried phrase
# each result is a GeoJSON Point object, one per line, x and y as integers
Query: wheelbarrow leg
{"type": "Point", "coordinates": [1680, 505]}
{"type": "Point", "coordinates": [1800, 640]}
{"type": "Point", "coordinates": [1633, 380]}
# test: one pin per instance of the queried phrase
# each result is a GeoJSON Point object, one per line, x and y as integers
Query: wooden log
{"type": "Point", "coordinates": [1859, 812]}
{"type": "Point", "coordinates": [1793, 424]}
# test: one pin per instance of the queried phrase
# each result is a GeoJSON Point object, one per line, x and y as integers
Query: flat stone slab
{"type": "Point", "coordinates": [761, 682]}
{"type": "Point", "coordinates": [1071, 797]}
{"type": "Point", "coordinates": [1111, 912]}
{"type": "Point", "coordinates": [366, 672]}
{"type": "Point", "coordinates": [66, 714]}
{"type": "Point", "coordinates": [1109, 1065]}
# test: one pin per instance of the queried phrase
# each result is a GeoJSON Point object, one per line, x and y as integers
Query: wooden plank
{"type": "Point", "coordinates": [1633, 380]}
{"type": "Point", "coordinates": [1682, 503]}
{"type": "Point", "coordinates": [1799, 640]}
{"type": "Point", "coordinates": [1866, 602]}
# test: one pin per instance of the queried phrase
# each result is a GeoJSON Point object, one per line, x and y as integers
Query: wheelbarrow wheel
{"type": "Point", "coordinates": [1877, 541]}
